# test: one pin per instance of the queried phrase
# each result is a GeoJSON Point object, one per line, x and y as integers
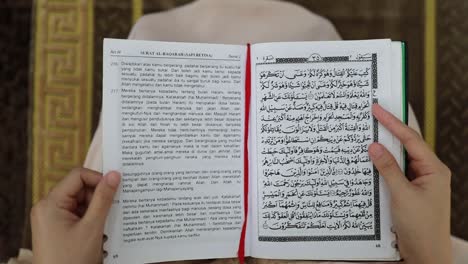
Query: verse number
{"type": "Point", "coordinates": [114, 91]}
{"type": "Point", "coordinates": [378, 245]}
{"type": "Point", "coordinates": [115, 256]}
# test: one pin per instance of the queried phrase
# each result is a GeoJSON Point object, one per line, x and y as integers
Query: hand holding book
{"type": "Point", "coordinates": [67, 225]}
{"type": "Point", "coordinates": [421, 205]}
{"type": "Point", "coordinates": [420, 208]}
{"type": "Point", "coordinates": [175, 126]}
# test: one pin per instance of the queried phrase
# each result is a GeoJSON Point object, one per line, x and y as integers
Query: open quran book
{"type": "Point", "coordinates": [259, 149]}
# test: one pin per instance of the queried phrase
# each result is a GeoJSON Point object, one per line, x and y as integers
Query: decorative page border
{"type": "Point", "coordinates": [316, 58]}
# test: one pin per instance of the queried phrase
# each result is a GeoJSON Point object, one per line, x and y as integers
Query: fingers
{"type": "Point", "coordinates": [74, 182]}
{"type": "Point", "coordinates": [388, 168]}
{"type": "Point", "coordinates": [414, 144]}
{"type": "Point", "coordinates": [102, 199]}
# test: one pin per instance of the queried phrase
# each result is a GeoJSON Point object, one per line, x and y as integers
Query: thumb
{"type": "Point", "coordinates": [102, 199]}
{"type": "Point", "coordinates": [388, 168]}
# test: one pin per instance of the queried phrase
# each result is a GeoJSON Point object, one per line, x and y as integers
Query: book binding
{"type": "Point", "coordinates": [241, 250]}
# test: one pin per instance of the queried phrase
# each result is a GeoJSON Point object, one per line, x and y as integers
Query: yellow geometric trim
{"type": "Point", "coordinates": [89, 73]}
{"type": "Point", "coordinates": [62, 90]}
{"type": "Point", "coordinates": [137, 7]}
{"type": "Point", "coordinates": [430, 80]}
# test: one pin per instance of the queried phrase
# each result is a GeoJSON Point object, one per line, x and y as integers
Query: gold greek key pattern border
{"type": "Point", "coordinates": [137, 10]}
{"type": "Point", "coordinates": [62, 89]}
{"type": "Point", "coordinates": [430, 79]}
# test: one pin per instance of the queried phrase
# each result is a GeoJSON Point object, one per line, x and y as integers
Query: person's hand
{"type": "Point", "coordinates": [68, 225]}
{"type": "Point", "coordinates": [420, 206]}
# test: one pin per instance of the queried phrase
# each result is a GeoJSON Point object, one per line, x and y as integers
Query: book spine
{"type": "Point", "coordinates": [241, 250]}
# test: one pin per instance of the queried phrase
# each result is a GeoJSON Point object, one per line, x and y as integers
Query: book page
{"type": "Point", "coordinates": [173, 124]}
{"type": "Point", "coordinates": [315, 192]}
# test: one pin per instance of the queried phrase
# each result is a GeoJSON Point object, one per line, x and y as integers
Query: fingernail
{"type": "Point", "coordinates": [112, 179]}
{"type": "Point", "coordinates": [376, 150]}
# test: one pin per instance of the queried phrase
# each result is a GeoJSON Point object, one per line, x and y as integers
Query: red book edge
{"type": "Point", "coordinates": [241, 250]}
